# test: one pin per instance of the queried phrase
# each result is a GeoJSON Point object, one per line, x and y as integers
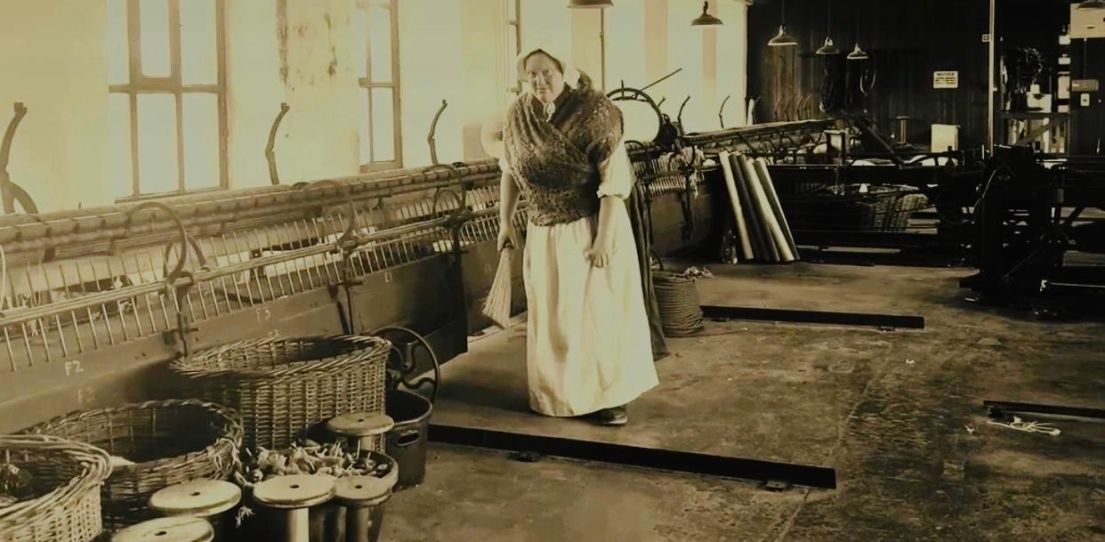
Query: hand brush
{"type": "Point", "coordinates": [497, 305]}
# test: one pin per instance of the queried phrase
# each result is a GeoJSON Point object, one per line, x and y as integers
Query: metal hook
{"type": "Point", "coordinates": [7, 189]}
{"type": "Point", "coordinates": [270, 153]}
{"type": "Point", "coordinates": [433, 131]}
{"type": "Point", "coordinates": [721, 112]}
{"type": "Point", "coordinates": [679, 117]}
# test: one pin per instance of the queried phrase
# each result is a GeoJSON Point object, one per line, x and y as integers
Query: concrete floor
{"type": "Point", "coordinates": [898, 414]}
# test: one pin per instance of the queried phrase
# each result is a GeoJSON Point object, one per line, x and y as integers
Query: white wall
{"type": "Point", "coordinates": [300, 53]}
{"type": "Point", "coordinates": [53, 59]}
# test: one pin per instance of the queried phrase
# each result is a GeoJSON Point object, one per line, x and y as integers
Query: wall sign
{"type": "Point", "coordinates": [945, 79]}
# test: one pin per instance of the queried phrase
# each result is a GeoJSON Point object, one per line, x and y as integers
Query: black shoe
{"type": "Point", "coordinates": [614, 416]}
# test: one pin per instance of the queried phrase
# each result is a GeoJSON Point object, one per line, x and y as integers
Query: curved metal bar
{"type": "Point", "coordinates": [406, 362]}
{"type": "Point", "coordinates": [632, 94]}
{"type": "Point", "coordinates": [447, 190]}
{"type": "Point", "coordinates": [431, 139]}
{"type": "Point", "coordinates": [454, 173]}
{"type": "Point", "coordinates": [6, 191]}
{"type": "Point", "coordinates": [270, 153]}
{"type": "Point", "coordinates": [351, 223]}
{"type": "Point", "coordinates": [183, 234]}
{"type": "Point", "coordinates": [679, 117]}
{"type": "Point", "coordinates": [721, 112]}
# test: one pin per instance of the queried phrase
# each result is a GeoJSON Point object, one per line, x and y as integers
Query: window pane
{"type": "Point", "coordinates": [379, 28]}
{"type": "Point", "coordinates": [383, 127]}
{"type": "Point", "coordinates": [118, 144]}
{"type": "Point", "coordinates": [198, 62]}
{"type": "Point", "coordinates": [153, 18]}
{"type": "Point", "coordinates": [364, 126]}
{"type": "Point", "coordinates": [360, 49]}
{"type": "Point", "coordinates": [157, 152]}
{"type": "Point", "coordinates": [201, 140]}
{"type": "Point", "coordinates": [118, 56]}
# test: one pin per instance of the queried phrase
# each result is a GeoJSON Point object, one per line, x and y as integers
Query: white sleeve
{"type": "Point", "coordinates": [617, 174]}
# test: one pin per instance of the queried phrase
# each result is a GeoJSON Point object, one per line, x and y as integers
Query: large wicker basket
{"type": "Point", "coordinates": [169, 442]}
{"type": "Point", "coordinates": [65, 478]}
{"type": "Point", "coordinates": [881, 208]}
{"type": "Point", "coordinates": [284, 387]}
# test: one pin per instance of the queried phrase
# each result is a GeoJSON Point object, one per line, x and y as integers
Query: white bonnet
{"type": "Point", "coordinates": [571, 74]}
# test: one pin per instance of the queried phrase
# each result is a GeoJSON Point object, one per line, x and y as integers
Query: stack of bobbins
{"type": "Point", "coordinates": [363, 498]}
{"type": "Point", "coordinates": [295, 494]}
{"type": "Point", "coordinates": [173, 529]}
{"type": "Point", "coordinates": [364, 429]}
{"type": "Point", "coordinates": [205, 499]}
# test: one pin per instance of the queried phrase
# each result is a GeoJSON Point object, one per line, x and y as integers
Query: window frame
{"type": "Point", "coordinates": [139, 84]}
{"type": "Point", "coordinates": [514, 49]}
{"type": "Point", "coordinates": [395, 85]}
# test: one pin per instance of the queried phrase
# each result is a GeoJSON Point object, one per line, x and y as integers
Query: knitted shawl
{"type": "Point", "coordinates": [556, 159]}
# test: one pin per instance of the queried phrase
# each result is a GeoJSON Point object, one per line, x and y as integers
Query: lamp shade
{"type": "Point", "coordinates": [590, 4]}
{"type": "Point", "coordinates": [706, 19]}
{"type": "Point", "coordinates": [782, 39]}
{"type": "Point", "coordinates": [1092, 4]}
{"type": "Point", "coordinates": [857, 54]}
{"type": "Point", "coordinates": [829, 48]}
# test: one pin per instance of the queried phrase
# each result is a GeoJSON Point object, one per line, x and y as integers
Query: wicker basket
{"type": "Point", "coordinates": [882, 208]}
{"type": "Point", "coordinates": [65, 478]}
{"type": "Point", "coordinates": [169, 441]}
{"type": "Point", "coordinates": [677, 299]}
{"type": "Point", "coordinates": [283, 387]}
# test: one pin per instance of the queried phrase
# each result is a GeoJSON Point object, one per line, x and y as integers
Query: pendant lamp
{"type": "Point", "coordinates": [590, 4]}
{"type": "Point", "coordinates": [706, 19]}
{"type": "Point", "coordinates": [857, 54]}
{"type": "Point", "coordinates": [828, 48]}
{"type": "Point", "coordinates": [782, 39]}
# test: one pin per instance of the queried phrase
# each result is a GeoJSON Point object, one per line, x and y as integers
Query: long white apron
{"type": "Point", "coordinates": [587, 341]}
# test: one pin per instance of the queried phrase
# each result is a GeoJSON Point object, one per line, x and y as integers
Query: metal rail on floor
{"type": "Point", "coordinates": [649, 458]}
{"type": "Point", "coordinates": [804, 316]}
{"type": "Point", "coordinates": [1057, 410]}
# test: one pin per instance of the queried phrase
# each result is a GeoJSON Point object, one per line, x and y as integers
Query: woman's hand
{"type": "Point", "coordinates": [602, 248]}
{"type": "Point", "coordinates": [507, 237]}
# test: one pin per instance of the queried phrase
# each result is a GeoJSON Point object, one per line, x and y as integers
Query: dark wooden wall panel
{"type": "Point", "coordinates": [907, 41]}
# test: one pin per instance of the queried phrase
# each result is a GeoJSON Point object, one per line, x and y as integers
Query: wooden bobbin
{"type": "Point", "coordinates": [198, 498]}
{"type": "Point", "coordinates": [174, 529]}
{"type": "Point", "coordinates": [362, 427]}
{"type": "Point", "coordinates": [359, 494]}
{"type": "Point", "coordinates": [296, 494]}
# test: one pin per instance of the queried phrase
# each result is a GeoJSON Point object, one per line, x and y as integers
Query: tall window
{"type": "Point", "coordinates": [167, 104]}
{"type": "Point", "coordinates": [377, 24]}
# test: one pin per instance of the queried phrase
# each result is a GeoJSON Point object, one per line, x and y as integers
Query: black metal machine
{"type": "Point", "coordinates": [1041, 230]}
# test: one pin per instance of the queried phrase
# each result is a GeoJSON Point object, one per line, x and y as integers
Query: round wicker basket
{"type": "Point", "coordinates": [283, 387]}
{"type": "Point", "coordinates": [64, 479]}
{"type": "Point", "coordinates": [168, 442]}
{"type": "Point", "coordinates": [677, 300]}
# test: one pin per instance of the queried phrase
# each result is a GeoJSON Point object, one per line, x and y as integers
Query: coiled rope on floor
{"type": "Point", "coordinates": [677, 300]}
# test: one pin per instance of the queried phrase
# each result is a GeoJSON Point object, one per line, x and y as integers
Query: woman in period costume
{"type": "Point", "coordinates": [588, 347]}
